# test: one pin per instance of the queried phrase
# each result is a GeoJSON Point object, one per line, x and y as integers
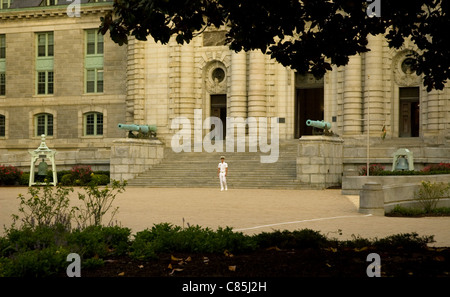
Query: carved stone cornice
{"type": "Point", "coordinates": [46, 12]}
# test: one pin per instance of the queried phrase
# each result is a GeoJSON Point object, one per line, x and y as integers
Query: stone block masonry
{"type": "Point", "coordinates": [319, 161]}
{"type": "Point", "coordinates": [130, 157]}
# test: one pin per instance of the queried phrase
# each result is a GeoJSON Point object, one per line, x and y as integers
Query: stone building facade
{"type": "Point", "coordinates": [150, 83]}
{"type": "Point", "coordinates": [60, 79]}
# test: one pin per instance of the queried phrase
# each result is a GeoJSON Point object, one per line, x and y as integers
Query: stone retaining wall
{"type": "Point", "coordinates": [377, 199]}
{"type": "Point", "coordinates": [351, 185]}
{"type": "Point", "coordinates": [319, 161]}
{"type": "Point", "coordinates": [130, 157]}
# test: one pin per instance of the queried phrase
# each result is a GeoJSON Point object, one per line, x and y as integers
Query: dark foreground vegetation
{"type": "Point", "coordinates": [166, 251]}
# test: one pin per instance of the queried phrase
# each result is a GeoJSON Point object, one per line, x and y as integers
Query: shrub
{"type": "Point", "coordinates": [429, 194]}
{"type": "Point", "coordinates": [81, 174]}
{"type": "Point", "coordinates": [374, 169]}
{"type": "Point", "coordinates": [97, 202]}
{"type": "Point", "coordinates": [399, 210]}
{"type": "Point", "coordinates": [35, 263]}
{"type": "Point", "coordinates": [66, 180]}
{"type": "Point", "coordinates": [50, 208]}
{"type": "Point", "coordinates": [168, 239]}
{"type": "Point", "coordinates": [24, 179]}
{"type": "Point", "coordinates": [100, 179]}
{"type": "Point", "coordinates": [27, 238]}
{"type": "Point", "coordinates": [437, 168]}
{"type": "Point", "coordinates": [410, 241]}
{"type": "Point", "coordinates": [305, 238]}
{"type": "Point", "coordinates": [9, 175]}
{"type": "Point", "coordinates": [99, 241]}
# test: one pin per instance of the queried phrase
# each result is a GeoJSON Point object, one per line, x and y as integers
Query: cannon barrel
{"type": "Point", "coordinates": [319, 124]}
{"type": "Point", "coordinates": [138, 128]}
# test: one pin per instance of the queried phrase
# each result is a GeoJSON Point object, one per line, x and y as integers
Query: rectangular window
{"type": "Point", "coordinates": [2, 46]}
{"type": "Point", "coordinates": [94, 80]}
{"type": "Point", "coordinates": [44, 124]}
{"type": "Point", "coordinates": [2, 125]}
{"type": "Point", "coordinates": [94, 124]}
{"type": "Point", "coordinates": [93, 61]}
{"type": "Point", "coordinates": [49, 2]}
{"type": "Point", "coordinates": [45, 82]}
{"type": "Point", "coordinates": [44, 63]}
{"type": "Point", "coordinates": [409, 108]}
{"type": "Point", "coordinates": [5, 4]}
{"type": "Point", "coordinates": [94, 42]}
{"type": "Point", "coordinates": [2, 84]}
{"type": "Point", "coordinates": [45, 44]}
{"type": "Point", "coordinates": [2, 65]}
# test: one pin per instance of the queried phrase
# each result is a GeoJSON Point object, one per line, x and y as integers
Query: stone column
{"type": "Point", "coordinates": [353, 97]}
{"type": "Point", "coordinates": [373, 84]}
{"type": "Point", "coordinates": [433, 112]}
{"type": "Point", "coordinates": [238, 88]}
{"type": "Point", "coordinates": [186, 103]}
{"type": "Point", "coordinates": [257, 85]}
{"type": "Point", "coordinates": [135, 102]}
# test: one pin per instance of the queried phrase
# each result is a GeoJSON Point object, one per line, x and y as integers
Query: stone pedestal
{"type": "Point", "coordinates": [371, 199]}
{"type": "Point", "coordinates": [130, 157]}
{"type": "Point", "coordinates": [319, 161]}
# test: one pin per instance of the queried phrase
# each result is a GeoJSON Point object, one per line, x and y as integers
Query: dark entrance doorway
{"type": "Point", "coordinates": [219, 109]}
{"type": "Point", "coordinates": [409, 112]}
{"type": "Point", "coordinates": [308, 106]}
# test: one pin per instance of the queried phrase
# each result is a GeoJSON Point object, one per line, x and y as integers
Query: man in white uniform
{"type": "Point", "coordinates": [222, 171]}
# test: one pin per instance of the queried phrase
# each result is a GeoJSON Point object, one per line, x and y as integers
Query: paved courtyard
{"type": "Point", "coordinates": [252, 211]}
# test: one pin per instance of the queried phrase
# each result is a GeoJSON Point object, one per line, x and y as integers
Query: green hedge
{"type": "Point", "coordinates": [42, 251]}
{"type": "Point", "coordinates": [66, 178]}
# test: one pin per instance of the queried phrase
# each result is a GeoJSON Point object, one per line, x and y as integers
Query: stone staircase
{"type": "Point", "coordinates": [199, 170]}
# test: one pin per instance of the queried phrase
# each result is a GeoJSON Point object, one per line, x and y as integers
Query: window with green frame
{"type": "Point", "coordinates": [49, 2]}
{"type": "Point", "coordinates": [2, 46]}
{"type": "Point", "coordinates": [45, 82]}
{"type": "Point", "coordinates": [2, 125]}
{"type": "Point", "coordinates": [5, 4]}
{"type": "Point", "coordinates": [44, 63]}
{"type": "Point", "coordinates": [94, 42]}
{"type": "Point", "coordinates": [2, 64]}
{"type": "Point", "coordinates": [2, 84]}
{"type": "Point", "coordinates": [43, 124]}
{"type": "Point", "coordinates": [45, 44]}
{"type": "Point", "coordinates": [93, 124]}
{"type": "Point", "coordinates": [94, 80]}
{"type": "Point", "coordinates": [93, 61]}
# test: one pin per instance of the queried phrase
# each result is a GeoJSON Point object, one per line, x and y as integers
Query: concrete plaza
{"type": "Point", "coordinates": [251, 211]}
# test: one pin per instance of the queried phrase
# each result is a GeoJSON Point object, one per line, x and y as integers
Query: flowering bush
{"type": "Point", "coordinates": [374, 169]}
{"type": "Point", "coordinates": [441, 167]}
{"type": "Point", "coordinates": [81, 174]}
{"type": "Point", "coordinates": [9, 175]}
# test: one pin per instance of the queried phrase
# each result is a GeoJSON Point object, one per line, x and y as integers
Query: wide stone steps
{"type": "Point", "coordinates": [245, 170]}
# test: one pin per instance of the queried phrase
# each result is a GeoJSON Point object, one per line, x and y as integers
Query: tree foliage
{"type": "Point", "coordinates": [306, 35]}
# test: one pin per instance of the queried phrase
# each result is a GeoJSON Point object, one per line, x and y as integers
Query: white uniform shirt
{"type": "Point", "coordinates": [222, 167]}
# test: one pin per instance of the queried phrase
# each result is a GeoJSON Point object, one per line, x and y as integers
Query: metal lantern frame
{"type": "Point", "coordinates": [40, 153]}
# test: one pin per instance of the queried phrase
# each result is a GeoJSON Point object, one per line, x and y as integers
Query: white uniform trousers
{"type": "Point", "coordinates": [223, 181]}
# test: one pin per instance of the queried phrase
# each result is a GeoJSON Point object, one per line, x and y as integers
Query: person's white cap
{"type": "Point", "coordinates": [222, 157]}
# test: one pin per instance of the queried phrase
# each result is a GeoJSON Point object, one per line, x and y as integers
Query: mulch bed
{"type": "Point", "coordinates": [273, 262]}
